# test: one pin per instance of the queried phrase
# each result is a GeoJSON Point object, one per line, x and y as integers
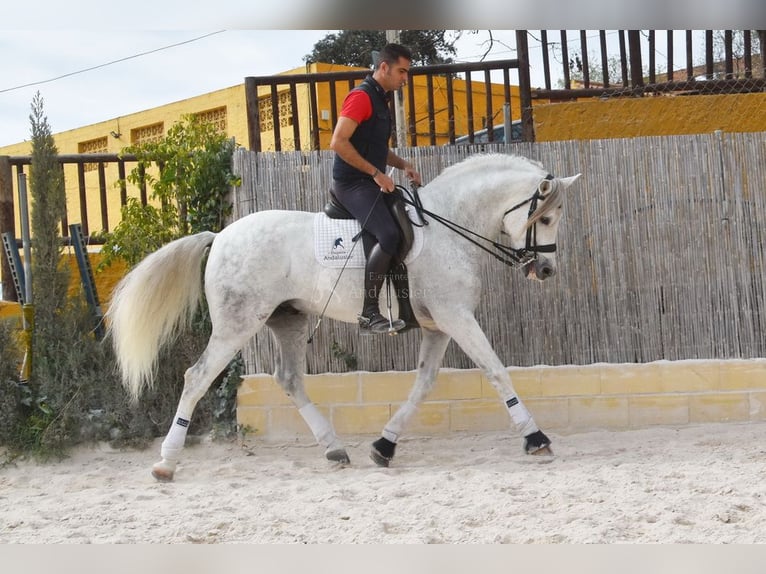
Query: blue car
{"type": "Point", "coordinates": [498, 132]}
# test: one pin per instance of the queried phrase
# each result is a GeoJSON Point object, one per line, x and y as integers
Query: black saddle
{"type": "Point", "coordinates": [335, 210]}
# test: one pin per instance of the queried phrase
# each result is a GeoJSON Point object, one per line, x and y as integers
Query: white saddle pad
{"type": "Point", "coordinates": [334, 245]}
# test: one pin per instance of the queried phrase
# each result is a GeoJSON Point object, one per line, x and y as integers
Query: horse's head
{"type": "Point", "coordinates": [532, 226]}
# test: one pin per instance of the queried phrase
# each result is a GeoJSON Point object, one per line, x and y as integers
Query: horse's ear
{"type": "Point", "coordinates": [567, 181]}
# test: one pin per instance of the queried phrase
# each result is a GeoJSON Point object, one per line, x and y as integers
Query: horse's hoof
{"type": "Point", "coordinates": [382, 452]}
{"type": "Point", "coordinates": [378, 458]}
{"type": "Point", "coordinates": [162, 472]}
{"type": "Point", "coordinates": [538, 444]}
{"type": "Point", "coordinates": [338, 455]}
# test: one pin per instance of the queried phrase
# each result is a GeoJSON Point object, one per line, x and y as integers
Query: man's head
{"type": "Point", "coordinates": [392, 66]}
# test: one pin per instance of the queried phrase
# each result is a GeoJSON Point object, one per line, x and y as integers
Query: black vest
{"type": "Point", "coordinates": [371, 136]}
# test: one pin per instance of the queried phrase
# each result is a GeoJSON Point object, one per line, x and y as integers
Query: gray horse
{"type": "Point", "coordinates": [261, 270]}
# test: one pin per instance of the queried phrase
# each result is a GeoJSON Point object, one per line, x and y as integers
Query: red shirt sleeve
{"type": "Point", "coordinates": [357, 106]}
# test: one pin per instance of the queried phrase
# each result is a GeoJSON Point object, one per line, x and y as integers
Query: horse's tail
{"type": "Point", "coordinates": [153, 303]}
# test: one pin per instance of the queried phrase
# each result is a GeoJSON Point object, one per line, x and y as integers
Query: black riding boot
{"type": "Point", "coordinates": [398, 275]}
{"type": "Point", "coordinates": [370, 320]}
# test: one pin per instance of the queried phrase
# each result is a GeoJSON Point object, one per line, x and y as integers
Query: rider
{"type": "Point", "coordinates": [360, 142]}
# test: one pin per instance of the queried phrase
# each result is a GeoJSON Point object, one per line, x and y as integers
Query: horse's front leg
{"type": "Point", "coordinates": [468, 334]}
{"type": "Point", "coordinates": [432, 350]}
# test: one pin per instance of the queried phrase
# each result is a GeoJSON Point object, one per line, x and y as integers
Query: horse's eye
{"type": "Point", "coordinates": [545, 220]}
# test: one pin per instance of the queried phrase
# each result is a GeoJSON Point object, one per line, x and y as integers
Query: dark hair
{"type": "Point", "coordinates": [390, 53]}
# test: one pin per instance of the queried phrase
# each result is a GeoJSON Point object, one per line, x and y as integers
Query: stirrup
{"type": "Point", "coordinates": [377, 323]}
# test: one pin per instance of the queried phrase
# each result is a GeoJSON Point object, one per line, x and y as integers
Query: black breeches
{"type": "Point", "coordinates": [370, 207]}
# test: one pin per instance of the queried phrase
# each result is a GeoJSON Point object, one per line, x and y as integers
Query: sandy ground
{"type": "Point", "coordinates": [704, 484]}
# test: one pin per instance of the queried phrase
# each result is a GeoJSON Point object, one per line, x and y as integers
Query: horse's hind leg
{"type": "Point", "coordinates": [290, 329]}
{"type": "Point", "coordinates": [197, 379]}
{"type": "Point", "coordinates": [432, 350]}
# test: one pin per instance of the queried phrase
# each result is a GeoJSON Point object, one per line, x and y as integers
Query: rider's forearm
{"type": "Point", "coordinates": [395, 161]}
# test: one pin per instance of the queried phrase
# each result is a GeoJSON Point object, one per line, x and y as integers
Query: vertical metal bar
{"type": "Point", "coordinates": [728, 41]}
{"type": "Point", "coordinates": [333, 104]}
{"type": "Point", "coordinates": [450, 110]}
{"type": "Point", "coordinates": [689, 56]}
{"type": "Point", "coordinates": [315, 144]}
{"type": "Point", "coordinates": [412, 124]}
{"type": "Point", "coordinates": [584, 56]}
{"type": "Point", "coordinates": [275, 117]}
{"type": "Point", "coordinates": [525, 89]}
{"type": "Point", "coordinates": [507, 85]}
{"type": "Point", "coordinates": [623, 58]}
{"type": "Point", "coordinates": [7, 225]}
{"type": "Point", "coordinates": [296, 116]}
{"type": "Point", "coordinates": [709, 68]}
{"type": "Point", "coordinates": [25, 237]}
{"type": "Point", "coordinates": [86, 276]}
{"type": "Point", "coordinates": [65, 215]}
{"type": "Point", "coordinates": [469, 106]}
{"type": "Point", "coordinates": [142, 182]}
{"type": "Point", "coordinates": [83, 196]}
{"type": "Point", "coordinates": [546, 58]}
{"type": "Point", "coordinates": [490, 109]}
{"type": "Point", "coordinates": [748, 53]}
{"type": "Point", "coordinates": [565, 59]}
{"type": "Point", "coordinates": [431, 111]}
{"type": "Point", "coordinates": [123, 182]}
{"type": "Point", "coordinates": [652, 64]}
{"type": "Point", "coordinates": [604, 58]}
{"type": "Point", "coordinates": [102, 196]}
{"type": "Point", "coordinates": [636, 65]}
{"type": "Point", "coordinates": [670, 55]}
{"type": "Point", "coordinates": [762, 41]}
{"type": "Point", "coordinates": [253, 114]}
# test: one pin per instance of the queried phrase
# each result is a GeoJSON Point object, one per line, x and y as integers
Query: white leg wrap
{"type": "Point", "coordinates": [174, 441]}
{"type": "Point", "coordinates": [319, 425]}
{"type": "Point", "coordinates": [400, 419]}
{"type": "Point", "coordinates": [520, 416]}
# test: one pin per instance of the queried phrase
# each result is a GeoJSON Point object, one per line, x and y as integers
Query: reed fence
{"type": "Point", "coordinates": [661, 255]}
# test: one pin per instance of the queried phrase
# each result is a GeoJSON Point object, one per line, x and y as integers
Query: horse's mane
{"type": "Point", "coordinates": [485, 161]}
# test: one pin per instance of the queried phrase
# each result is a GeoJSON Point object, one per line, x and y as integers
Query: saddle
{"type": "Point", "coordinates": [398, 273]}
{"type": "Point", "coordinates": [335, 210]}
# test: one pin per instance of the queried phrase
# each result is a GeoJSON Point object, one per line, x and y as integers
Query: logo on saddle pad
{"type": "Point", "coordinates": [334, 245]}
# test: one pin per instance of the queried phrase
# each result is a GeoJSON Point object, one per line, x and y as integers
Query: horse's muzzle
{"type": "Point", "coordinates": [540, 269]}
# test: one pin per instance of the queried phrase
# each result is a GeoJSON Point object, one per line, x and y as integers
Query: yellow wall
{"type": "Point", "coordinates": [655, 116]}
{"type": "Point", "coordinates": [563, 399]}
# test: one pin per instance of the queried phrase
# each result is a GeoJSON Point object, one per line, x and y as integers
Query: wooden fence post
{"type": "Point", "coordinates": [525, 89]}
{"type": "Point", "coordinates": [7, 223]}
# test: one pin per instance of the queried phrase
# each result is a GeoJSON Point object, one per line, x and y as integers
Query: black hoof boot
{"type": "Point", "coordinates": [537, 443]}
{"type": "Point", "coordinates": [382, 452]}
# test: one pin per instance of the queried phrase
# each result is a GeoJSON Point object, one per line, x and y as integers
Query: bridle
{"type": "Point", "coordinates": [511, 256]}
{"type": "Point", "coordinates": [531, 248]}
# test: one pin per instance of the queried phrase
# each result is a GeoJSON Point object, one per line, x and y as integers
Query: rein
{"type": "Point", "coordinates": [510, 256]}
